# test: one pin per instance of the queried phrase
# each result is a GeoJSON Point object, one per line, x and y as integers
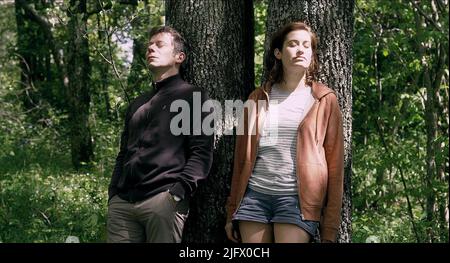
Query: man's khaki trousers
{"type": "Point", "coordinates": [158, 219]}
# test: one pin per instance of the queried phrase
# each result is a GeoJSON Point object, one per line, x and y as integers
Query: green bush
{"type": "Point", "coordinates": [42, 198]}
{"type": "Point", "coordinates": [39, 205]}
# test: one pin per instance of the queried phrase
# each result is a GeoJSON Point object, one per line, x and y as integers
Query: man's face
{"type": "Point", "coordinates": [160, 52]}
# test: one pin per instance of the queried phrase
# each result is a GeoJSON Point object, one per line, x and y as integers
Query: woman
{"type": "Point", "coordinates": [288, 173]}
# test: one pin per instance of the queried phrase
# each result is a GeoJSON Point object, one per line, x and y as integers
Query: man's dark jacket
{"type": "Point", "coordinates": [151, 158]}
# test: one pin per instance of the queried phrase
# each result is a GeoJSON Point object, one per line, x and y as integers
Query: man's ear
{"type": "Point", "coordinates": [180, 57]}
{"type": "Point", "coordinates": [277, 53]}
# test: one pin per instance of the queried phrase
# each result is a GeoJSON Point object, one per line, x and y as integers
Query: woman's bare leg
{"type": "Point", "coordinates": [254, 232]}
{"type": "Point", "coordinates": [290, 233]}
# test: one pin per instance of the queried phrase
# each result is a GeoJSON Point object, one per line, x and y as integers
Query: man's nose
{"type": "Point", "coordinates": [150, 48]}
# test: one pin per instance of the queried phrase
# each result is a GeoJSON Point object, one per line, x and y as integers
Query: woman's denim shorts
{"type": "Point", "coordinates": [264, 208]}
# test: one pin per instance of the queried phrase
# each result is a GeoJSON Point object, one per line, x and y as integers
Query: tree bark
{"type": "Point", "coordinates": [220, 60]}
{"type": "Point", "coordinates": [333, 23]}
{"type": "Point", "coordinates": [79, 71]}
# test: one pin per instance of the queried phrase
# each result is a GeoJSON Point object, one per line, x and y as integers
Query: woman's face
{"type": "Point", "coordinates": [296, 52]}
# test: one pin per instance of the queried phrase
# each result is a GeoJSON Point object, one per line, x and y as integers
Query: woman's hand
{"type": "Point", "coordinates": [232, 234]}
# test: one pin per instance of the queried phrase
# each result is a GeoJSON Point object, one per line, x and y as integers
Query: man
{"type": "Point", "coordinates": [157, 172]}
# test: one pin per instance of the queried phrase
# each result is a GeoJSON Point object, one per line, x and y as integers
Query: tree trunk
{"type": "Point", "coordinates": [333, 23]}
{"type": "Point", "coordinates": [24, 30]}
{"type": "Point", "coordinates": [41, 80]}
{"type": "Point", "coordinates": [431, 124]}
{"type": "Point", "coordinates": [220, 60]}
{"type": "Point", "coordinates": [431, 81]}
{"type": "Point", "coordinates": [442, 131]}
{"type": "Point", "coordinates": [104, 38]}
{"type": "Point", "coordinates": [79, 71]}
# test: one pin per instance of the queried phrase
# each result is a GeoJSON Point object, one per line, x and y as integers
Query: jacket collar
{"type": "Point", "coordinates": [167, 82]}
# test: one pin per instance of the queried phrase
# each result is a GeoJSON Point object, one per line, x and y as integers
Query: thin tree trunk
{"type": "Point", "coordinates": [79, 71]}
{"type": "Point", "coordinates": [402, 177]}
{"type": "Point", "coordinates": [379, 180]}
{"type": "Point", "coordinates": [333, 23]}
{"type": "Point", "coordinates": [442, 130]}
{"type": "Point", "coordinates": [220, 60]}
{"type": "Point", "coordinates": [430, 122]}
{"type": "Point", "coordinates": [103, 37]}
{"type": "Point", "coordinates": [432, 76]}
